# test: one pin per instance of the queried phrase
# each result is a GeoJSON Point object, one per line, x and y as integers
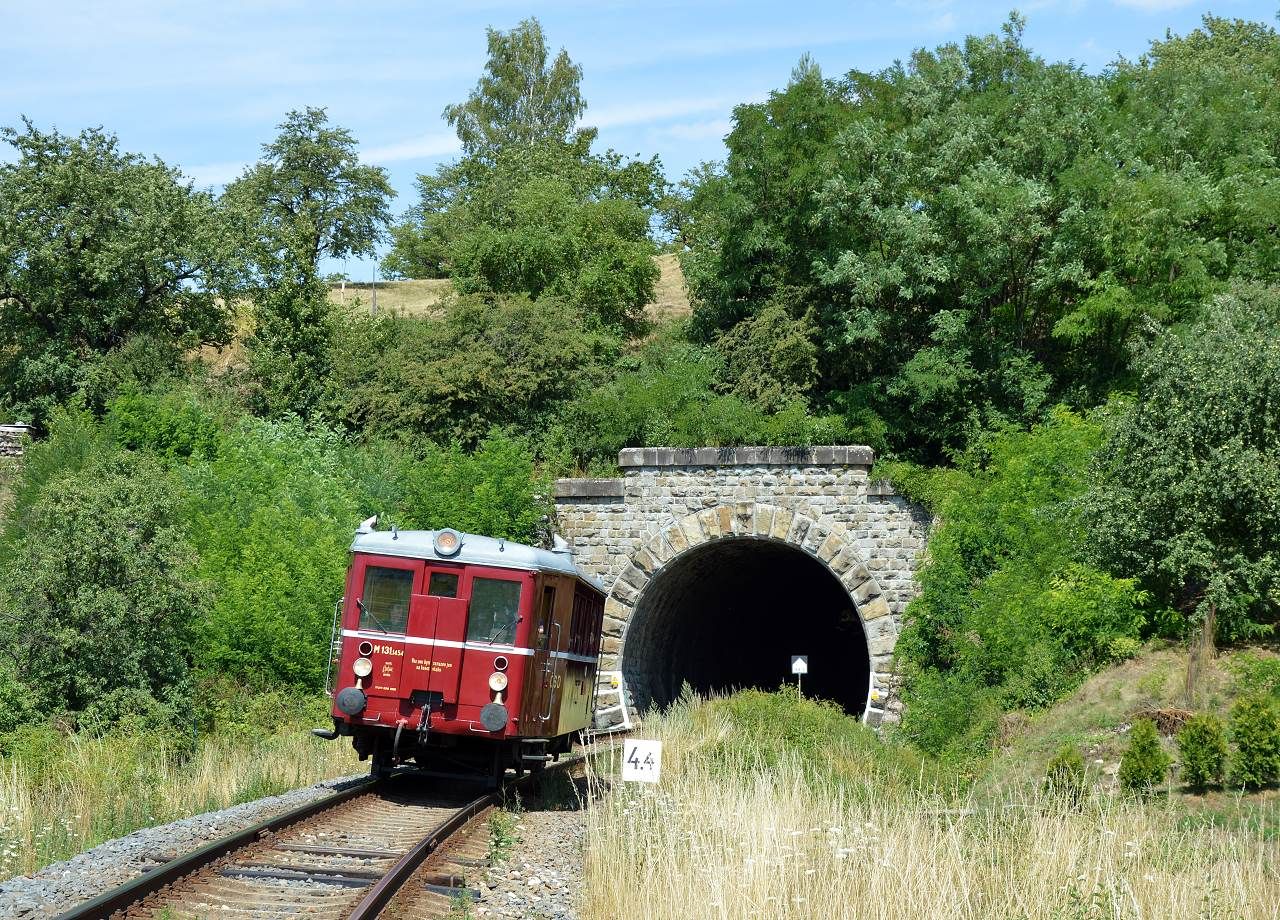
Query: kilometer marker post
{"type": "Point", "coordinates": [799, 667]}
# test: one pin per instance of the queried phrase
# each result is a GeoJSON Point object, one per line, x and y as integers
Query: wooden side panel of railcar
{"type": "Point", "coordinates": [565, 635]}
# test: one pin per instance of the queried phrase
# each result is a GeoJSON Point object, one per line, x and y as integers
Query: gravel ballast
{"type": "Point", "coordinates": [542, 880]}
{"type": "Point", "coordinates": [60, 886]}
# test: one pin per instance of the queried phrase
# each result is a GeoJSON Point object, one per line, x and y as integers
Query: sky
{"type": "Point", "coordinates": [204, 85]}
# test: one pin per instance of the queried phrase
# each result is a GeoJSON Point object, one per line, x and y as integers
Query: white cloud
{"type": "Point", "coordinates": [1152, 6]}
{"type": "Point", "coordinates": [413, 148]}
{"type": "Point", "coordinates": [714, 129]}
{"type": "Point", "coordinates": [640, 113]}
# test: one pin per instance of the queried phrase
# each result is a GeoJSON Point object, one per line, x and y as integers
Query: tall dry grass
{"type": "Point", "coordinates": [736, 833]}
{"type": "Point", "coordinates": [78, 791]}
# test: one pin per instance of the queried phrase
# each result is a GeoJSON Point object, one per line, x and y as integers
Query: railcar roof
{"type": "Point", "coordinates": [476, 550]}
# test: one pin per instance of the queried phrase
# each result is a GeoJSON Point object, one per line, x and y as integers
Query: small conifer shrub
{"type": "Point", "coordinates": [1065, 775]}
{"type": "Point", "coordinates": [1202, 744]}
{"type": "Point", "coordinates": [1145, 764]}
{"type": "Point", "coordinates": [1255, 728]}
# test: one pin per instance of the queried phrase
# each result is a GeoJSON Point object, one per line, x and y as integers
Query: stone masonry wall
{"type": "Point", "coordinates": [12, 439]}
{"type": "Point", "coordinates": [609, 521]}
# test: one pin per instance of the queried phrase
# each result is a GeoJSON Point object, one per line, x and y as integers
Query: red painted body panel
{"type": "Point", "coordinates": [431, 680]}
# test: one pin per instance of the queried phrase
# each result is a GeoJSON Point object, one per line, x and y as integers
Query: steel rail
{"type": "Point", "coordinates": [379, 895]}
{"type": "Point", "coordinates": [130, 893]}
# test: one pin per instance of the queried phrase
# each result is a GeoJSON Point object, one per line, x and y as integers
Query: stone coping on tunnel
{"type": "Point", "coordinates": [588, 488]}
{"type": "Point", "coordinates": [834, 455]}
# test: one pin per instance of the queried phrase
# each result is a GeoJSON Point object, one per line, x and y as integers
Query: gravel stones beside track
{"type": "Point", "coordinates": [543, 877]}
{"type": "Point", "coordinates": [60, 886]}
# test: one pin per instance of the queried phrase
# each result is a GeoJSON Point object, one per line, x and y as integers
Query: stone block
{"type": "Point", "coordinates": [744, 514]}
{"type": "Point", "coordinates": [764, 520]}
{"type": "Point", "coordinates": [613, 627]}
{"type": "Point", "coordinates": [692, 528]}
{"type": "Point", "coordinates": [644, 561]}
{"type": "Point", "coordinates": [831, 546]}
{"type": "Point", "coordinates": [724, 517]}
{"type": "Point", "coordinates": [610, 645]}
{"type": "Point", "coordinates": [874, 609]}
{"type": "Point", "coordinates": [800, 525]}
{"type": "Point", "coordinates": [710, 521]}
{"type": "Point", "coordinates": [782, 518]}
{"type": "Point", "coordinates": [676, 539]}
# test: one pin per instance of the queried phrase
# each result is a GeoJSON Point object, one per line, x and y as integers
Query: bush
{"type": "Point", "coordinates": [1184, 500]}
{"type": "Point", "coordinates": [1202, 745]}
{"type": "Point", "coordinates": [1255, 728]}
{"type": "Point", "coordinates": [1065, 775]}
{"type": "Point", "coordinates": [488, 362]}
{"type": "Point", "coordinates": [1008, 616]}
{"type": "Point", "coordinates": [1144, 764]}
{"type": "Point", "coordinates": [101, 594]}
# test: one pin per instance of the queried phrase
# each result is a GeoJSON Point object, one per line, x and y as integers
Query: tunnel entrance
{"type": "Point", "coordinates": [728, 614]}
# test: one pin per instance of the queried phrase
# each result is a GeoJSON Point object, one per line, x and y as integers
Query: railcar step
{"type": "Point", "coordinates": [338, 851]}
{"type": "Point", "coordinates": [541, 758]}
{"type": "Point", "coordinates": [274, 876]}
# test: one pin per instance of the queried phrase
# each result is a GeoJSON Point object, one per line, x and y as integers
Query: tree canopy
{"type": "Point", "coordinates": [99, 249]}
{"type": "Point", "coordinates": [522, 99]}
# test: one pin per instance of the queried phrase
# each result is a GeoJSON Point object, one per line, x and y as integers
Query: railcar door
{"type": "Point", "coordinates": [542, 674]}
{"type": "Point", "coordinates": [439, 624]}
{"type": "Point", "coordinates": [381, 619]}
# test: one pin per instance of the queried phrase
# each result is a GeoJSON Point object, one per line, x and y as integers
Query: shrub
{"type": "Point", "coordinates": [101, 594]}
{"type": "Point", "coordinates": [1202, 745]}
{"type": "Point", "coordinates": [1065, 775]}
{"type": "Point", "coordinates": [1144, 764]}
{"type": "Point", "coordinates": [1255, 728]}
{"type": "Point", "coordinates": [1008, 612]}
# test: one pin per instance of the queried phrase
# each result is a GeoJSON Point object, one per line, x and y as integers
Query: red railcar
{"type": "Point", "coordinates": [463, 654]}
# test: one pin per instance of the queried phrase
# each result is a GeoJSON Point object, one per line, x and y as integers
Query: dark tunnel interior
{"type": "Point", "coordinates": [729, 614]}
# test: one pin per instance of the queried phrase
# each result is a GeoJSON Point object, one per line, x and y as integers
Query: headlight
{"type": "Point", "coordinates": [363, 667]}
{"type": "Point", "coordinates": [497, 681]}
{"type": "Point", "coordinates": [447, 542]}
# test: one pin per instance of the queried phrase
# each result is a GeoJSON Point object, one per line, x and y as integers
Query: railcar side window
{"type": "Point", "coordinates": [385, 604]}
{"type": "Point", "coordinates": [443, 584]}
{"type": "Point", "coordinates": [494, 607]}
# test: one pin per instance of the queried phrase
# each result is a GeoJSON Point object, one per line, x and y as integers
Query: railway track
{"type": "Point", "coordinates": [350, 855]}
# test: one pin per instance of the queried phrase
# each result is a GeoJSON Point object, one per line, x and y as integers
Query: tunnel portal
{"type": "Point", "coordinates": [728, 615]}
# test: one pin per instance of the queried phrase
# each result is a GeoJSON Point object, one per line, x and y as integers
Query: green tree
{"type": "Point", "coordinates": [521, 100]}
{"type": "Point", "coordinates": [1009, 614]}
{"type": "Point", "coordinates": [1186, 484]}
{"type": "Point", "coordinates": [529, 208]}
{"type": "Point", "coordinates": [978, 233]}
{"type": "Point", "coordinates": [307, 199]}
{"type": "Point", "coordinates": [1255, 728]}
{"type": "Point", "coordinates": [310, 198]}
{"type": "Point", "coordinates": [100, 596]}
{"type": "Point", "coordinates": [1203, 747]}
{"type": "Point", "coordinates": [1144, 763]}
{"type": "Point", "coordinates": [490, 361]}
{"type": "Point", "coordinates": [99, 249]}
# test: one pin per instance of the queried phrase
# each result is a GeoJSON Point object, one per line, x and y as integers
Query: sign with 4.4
{"type": "Point", "coordinates": [641, 761]}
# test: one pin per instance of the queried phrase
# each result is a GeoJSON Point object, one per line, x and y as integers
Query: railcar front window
{"type": "Point", "coordinates": [494, 609]}
{"type": "Point", "coordinates": [385, 604]}
{"type": "Point", "coordinates": [443, 584]}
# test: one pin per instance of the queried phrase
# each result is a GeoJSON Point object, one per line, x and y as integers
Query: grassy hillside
{"type": "Point", "coordinates": [1096, 718]}
{"type": "Point", "coordinates": [423, 297]}
{"type": "Point", "coordinates": [772, 806]}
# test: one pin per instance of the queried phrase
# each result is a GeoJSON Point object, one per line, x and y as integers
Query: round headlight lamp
{"type": "Point", "coordinates": [447, 543]}
{"type": "Point", "coordinates": [497, 681]}
{"type": "Point", "coordinates": [363, 667]}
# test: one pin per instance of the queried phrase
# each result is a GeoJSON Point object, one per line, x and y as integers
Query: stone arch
{"type": "Point", "coordinates": [826, 542]}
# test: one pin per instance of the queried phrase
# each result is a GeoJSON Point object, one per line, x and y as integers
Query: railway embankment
{"type": "Point", "coordinates": [62, 885]}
